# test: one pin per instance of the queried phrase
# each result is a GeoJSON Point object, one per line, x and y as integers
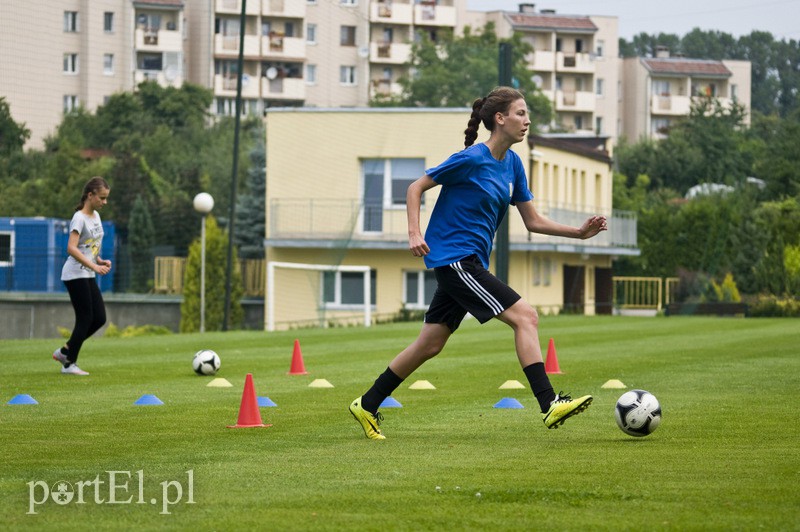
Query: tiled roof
{"type": "Point", "coordinates": [687, 67]}
{"type": "Point", "coordinates": [552, 22]}
{"type": "Point", "coordinates": [591, 147]}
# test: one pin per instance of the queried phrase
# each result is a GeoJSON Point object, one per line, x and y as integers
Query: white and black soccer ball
{"type": "Point", "coordinates": [205, 362]}
{"type": "Point", "coordinates": [638, 413]}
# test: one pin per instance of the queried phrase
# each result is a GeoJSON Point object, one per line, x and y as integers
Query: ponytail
{"type": "Point", "coordinates": [484, 109]}
{"type": "Point", "coordinates": [94, 185]}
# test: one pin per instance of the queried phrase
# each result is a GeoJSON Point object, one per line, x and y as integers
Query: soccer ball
{"type": "Point", "coordinates": [638, 413]}
{"type": "Point", "coordinates": [205, 362]}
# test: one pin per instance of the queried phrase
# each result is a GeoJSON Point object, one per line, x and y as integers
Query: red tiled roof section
{"type": "Point", "coordinates": [175, 3]}
{"type": "Point", "coordinates": [675, 65]}
{"type": "Point", "coordinates": [555, 22]}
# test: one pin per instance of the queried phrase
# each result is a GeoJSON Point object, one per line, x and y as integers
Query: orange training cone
{"type": "Point", "coordinates": [298, 368]}
{"type": "Point", "coordinates": [551, 362]}
{"type": "Point", "coordinates": [249, 414]}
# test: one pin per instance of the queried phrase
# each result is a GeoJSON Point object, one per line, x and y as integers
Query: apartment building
{"type": "Point", "coordinates": [57, 55]}
{"type": "Point", "coordinates": [657, 91]}
{"type": "Point", "coordinates": [574, 61]}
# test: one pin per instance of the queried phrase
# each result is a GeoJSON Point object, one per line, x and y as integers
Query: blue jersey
{"type": "Point", "coordinates": [476, 192]}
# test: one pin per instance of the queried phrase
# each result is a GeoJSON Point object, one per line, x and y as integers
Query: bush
{"type": "Point", "coordinates": [773, 306]}
{"type": "Point", "coordinates": [112, 331]}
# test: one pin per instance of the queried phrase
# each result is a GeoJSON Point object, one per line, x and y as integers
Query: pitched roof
{"type": "Point", "coordinates": [591, 147]}
{"type": "Point", "coordinates": [547, 21]}
{"type": "Point", "coordinates": [687, 67]}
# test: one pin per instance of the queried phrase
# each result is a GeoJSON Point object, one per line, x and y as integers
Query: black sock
{"type": "Point", "coordinates": [383, 387]}
{"type": "Point", "coordinates": [540, 385]}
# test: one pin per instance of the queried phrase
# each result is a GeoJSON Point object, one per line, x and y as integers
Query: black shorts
{"type": "Point", "coordinates": [466, 286]}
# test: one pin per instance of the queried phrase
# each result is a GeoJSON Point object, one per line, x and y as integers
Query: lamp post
{"type": "Point", "coordinates": [203, 203]}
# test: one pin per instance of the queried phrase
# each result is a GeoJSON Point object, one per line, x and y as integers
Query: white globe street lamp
{"type": "Point", "coordinates": [203, 203]}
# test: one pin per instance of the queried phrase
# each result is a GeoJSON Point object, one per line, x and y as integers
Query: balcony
{"type": "Point", "coordinates": [277, 46]}
{"type": "Point", "coordinates": [326, 223]}
{"type": "Point", "coordinates": [163, 78]}
{"type": "Point", "coordinates": [385, 87]}
{"type": "Point", "coordinates": [578, 101]}
{"type": "Point", "coordinates": [542, 61]}
{"type": "Point", "coordinates": [282, 8]}
{"type": "Point", "coordinates": [226, 86]}
{"type": "Point", "coordinates": [228, 45]}
{"type": "Point", "coordinates": [234, 7]}
{"type": "Point", "coordinates": [392, 53]}
{"type": "Point", "coordinates": [575, 62]}
{"type": "Point", "coordinates": [158, 40]}
{"type": "Point", "coordinates": [670, 105]}
{"type": "Point", "coordinates": [283, 88]}
{"type": "Point", "coordinates": [389, 12]}
{"type": "Point", "coordinates": [430, 14]}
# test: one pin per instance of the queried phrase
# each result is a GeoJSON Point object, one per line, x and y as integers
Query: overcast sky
{"type": "Point", "coordinates": [737, 17]}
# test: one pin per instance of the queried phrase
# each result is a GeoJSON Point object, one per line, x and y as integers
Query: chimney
{"type": "Point", "coordinates": [662, 51]}
{"type": "Point", "coordinates": [527, 8]}
{"type": "Point", "coordinates": [548, 11]}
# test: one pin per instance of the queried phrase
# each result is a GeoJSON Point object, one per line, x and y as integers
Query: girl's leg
{"type": "Point", "coordinates": [98, 308]}
{"type": "Point", "coordinates": [81, 297]}
{"type": "Point", "coordinates": [524, 321]}
{"type": "Point", "coordinates": [430, 342]}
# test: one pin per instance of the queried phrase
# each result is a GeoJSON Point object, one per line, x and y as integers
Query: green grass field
{"type": "Point", "coordinates": [725, 456]}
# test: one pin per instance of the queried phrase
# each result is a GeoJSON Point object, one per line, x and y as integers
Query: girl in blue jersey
{"type": "Point", "coordinates": [478, 184]}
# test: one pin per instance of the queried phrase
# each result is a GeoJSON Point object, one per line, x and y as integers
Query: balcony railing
{"type": "Point", "coordinates": [347, 222]}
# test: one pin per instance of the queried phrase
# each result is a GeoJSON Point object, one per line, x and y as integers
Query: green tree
{"type": "Point", "coordinates": [780, 164]}
{"type": "Point", "coordinates": [141, 238]}
{"type": "Point", "coordinates": [455, 70]}
{"type": "Point", "coordinates": [216, 264]}
{"type": "Point", "coordinates": [250, 210]}
{"type": "Point", "coordinates": [12, 134]}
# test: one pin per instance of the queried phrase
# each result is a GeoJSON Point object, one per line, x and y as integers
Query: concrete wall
{"type": "Point", "coordinates": [28, 315]}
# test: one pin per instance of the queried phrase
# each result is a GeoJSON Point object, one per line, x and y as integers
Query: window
{"type": "Point", "coordinates": [343, 289]}
{"type": "Point", "coordinates": [734, 91]}
{"type": "Point", "coordinates": [559, 83]}
{"type": "Point", "coordinates": [311, 34]}
{"type": "Point", "coordinates": [660, 126]}
{"type": "Point", "coordinates": [661, 88]}
{"type": "Point", "coordinates": [150, 62]}
{"type": "Point", "coordinates": [311, 74]}
{"type": "Point", "coordinates": [599, 86]}
{"type": "Point", "coordinates": [288, 29]}
{"type": "Point", "coordinates": [578, 46]}
{"type": "Point", "coordinates": [347, 36]}
{"type": "Point", "coordinates": [541, 271]}
{"type": "Point", "coordinates": [419, 288]}
{"type": "Point", "coordinates": [70, 21]}
{"type": "Point", "coordinates": [598, 125]}
{"type": "Point", "coordinates": [347, 75]}
{"type": "Point", "coordinates": [6, 248]}
{"type": "Point", "coordinates": [578, 122]}
{"type": "Point", "coordinates": [599, 47]}
{"type": "Point", "coordinates": [70, 103]}
{"type": "Point", "coordinates": [392, 177]}
{"type": "Point", "coordinates": [108, 64]}
{"type": "Point", "coordinates": [348, 2]}
{"type": "Point", "coordinates": [108, 22]}
{"type": "Point", "coordinates": [70, 63]}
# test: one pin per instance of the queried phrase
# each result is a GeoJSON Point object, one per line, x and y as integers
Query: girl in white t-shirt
{"type": "Point", "coordinates": [79, 271]}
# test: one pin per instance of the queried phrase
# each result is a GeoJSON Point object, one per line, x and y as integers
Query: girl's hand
{"type": "Point", "coordinates": [592, 226]}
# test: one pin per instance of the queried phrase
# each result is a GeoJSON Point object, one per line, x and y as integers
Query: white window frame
{"type": "Point", "coordinates": [311, 34]}
{"type": "Point", "coordinates": [420, 303]}
{"type": "Point", "coordinates": [108, 21]}
{"type": "Point", "coordinates": [599, 49]}
{"type": "Point", "coordinates": [71, 22]}
{"type": "Point", "coordinates": [348, 2]}
{"type": "Point", "coordinates": [10, 261]}
{"type": "Point", "coordinates": [600, 87]}
{"type": "Point", "coordinates": [70, 102]}
{"type": "Point", "coordinates": [337, 304]}
{"type": "Point", "coordinates": [388, 179]}
{"type": "Point", "coordinates": [71, 63]}
{"type": "Point", "coordinates": [311, 74]}
{"type": "Point", "coordinates": [348, 76]}
{"type": "Point", "coordinates": [108, 64]}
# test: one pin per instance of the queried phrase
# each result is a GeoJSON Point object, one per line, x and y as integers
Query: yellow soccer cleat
{"type": "Point", "coordinates": [368, 422]}
{"type": "Point", "coordinates": [564, 407]}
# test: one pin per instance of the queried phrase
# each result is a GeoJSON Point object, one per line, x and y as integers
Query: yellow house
{"type": "Point", "coordinates": [336, 184]}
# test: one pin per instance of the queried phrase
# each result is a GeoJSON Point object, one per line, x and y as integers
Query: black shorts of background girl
{"type": "Point", "coordinates": [79, 273]}
{"type": "Point", "coordinates": [487, 173]}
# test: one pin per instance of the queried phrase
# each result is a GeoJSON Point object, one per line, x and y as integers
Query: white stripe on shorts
{"type": "Point", "coordinates": [477, 289]}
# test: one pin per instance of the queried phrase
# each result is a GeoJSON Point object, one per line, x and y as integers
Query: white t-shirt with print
{"type": "Point", "coordinates": [90, 229]}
